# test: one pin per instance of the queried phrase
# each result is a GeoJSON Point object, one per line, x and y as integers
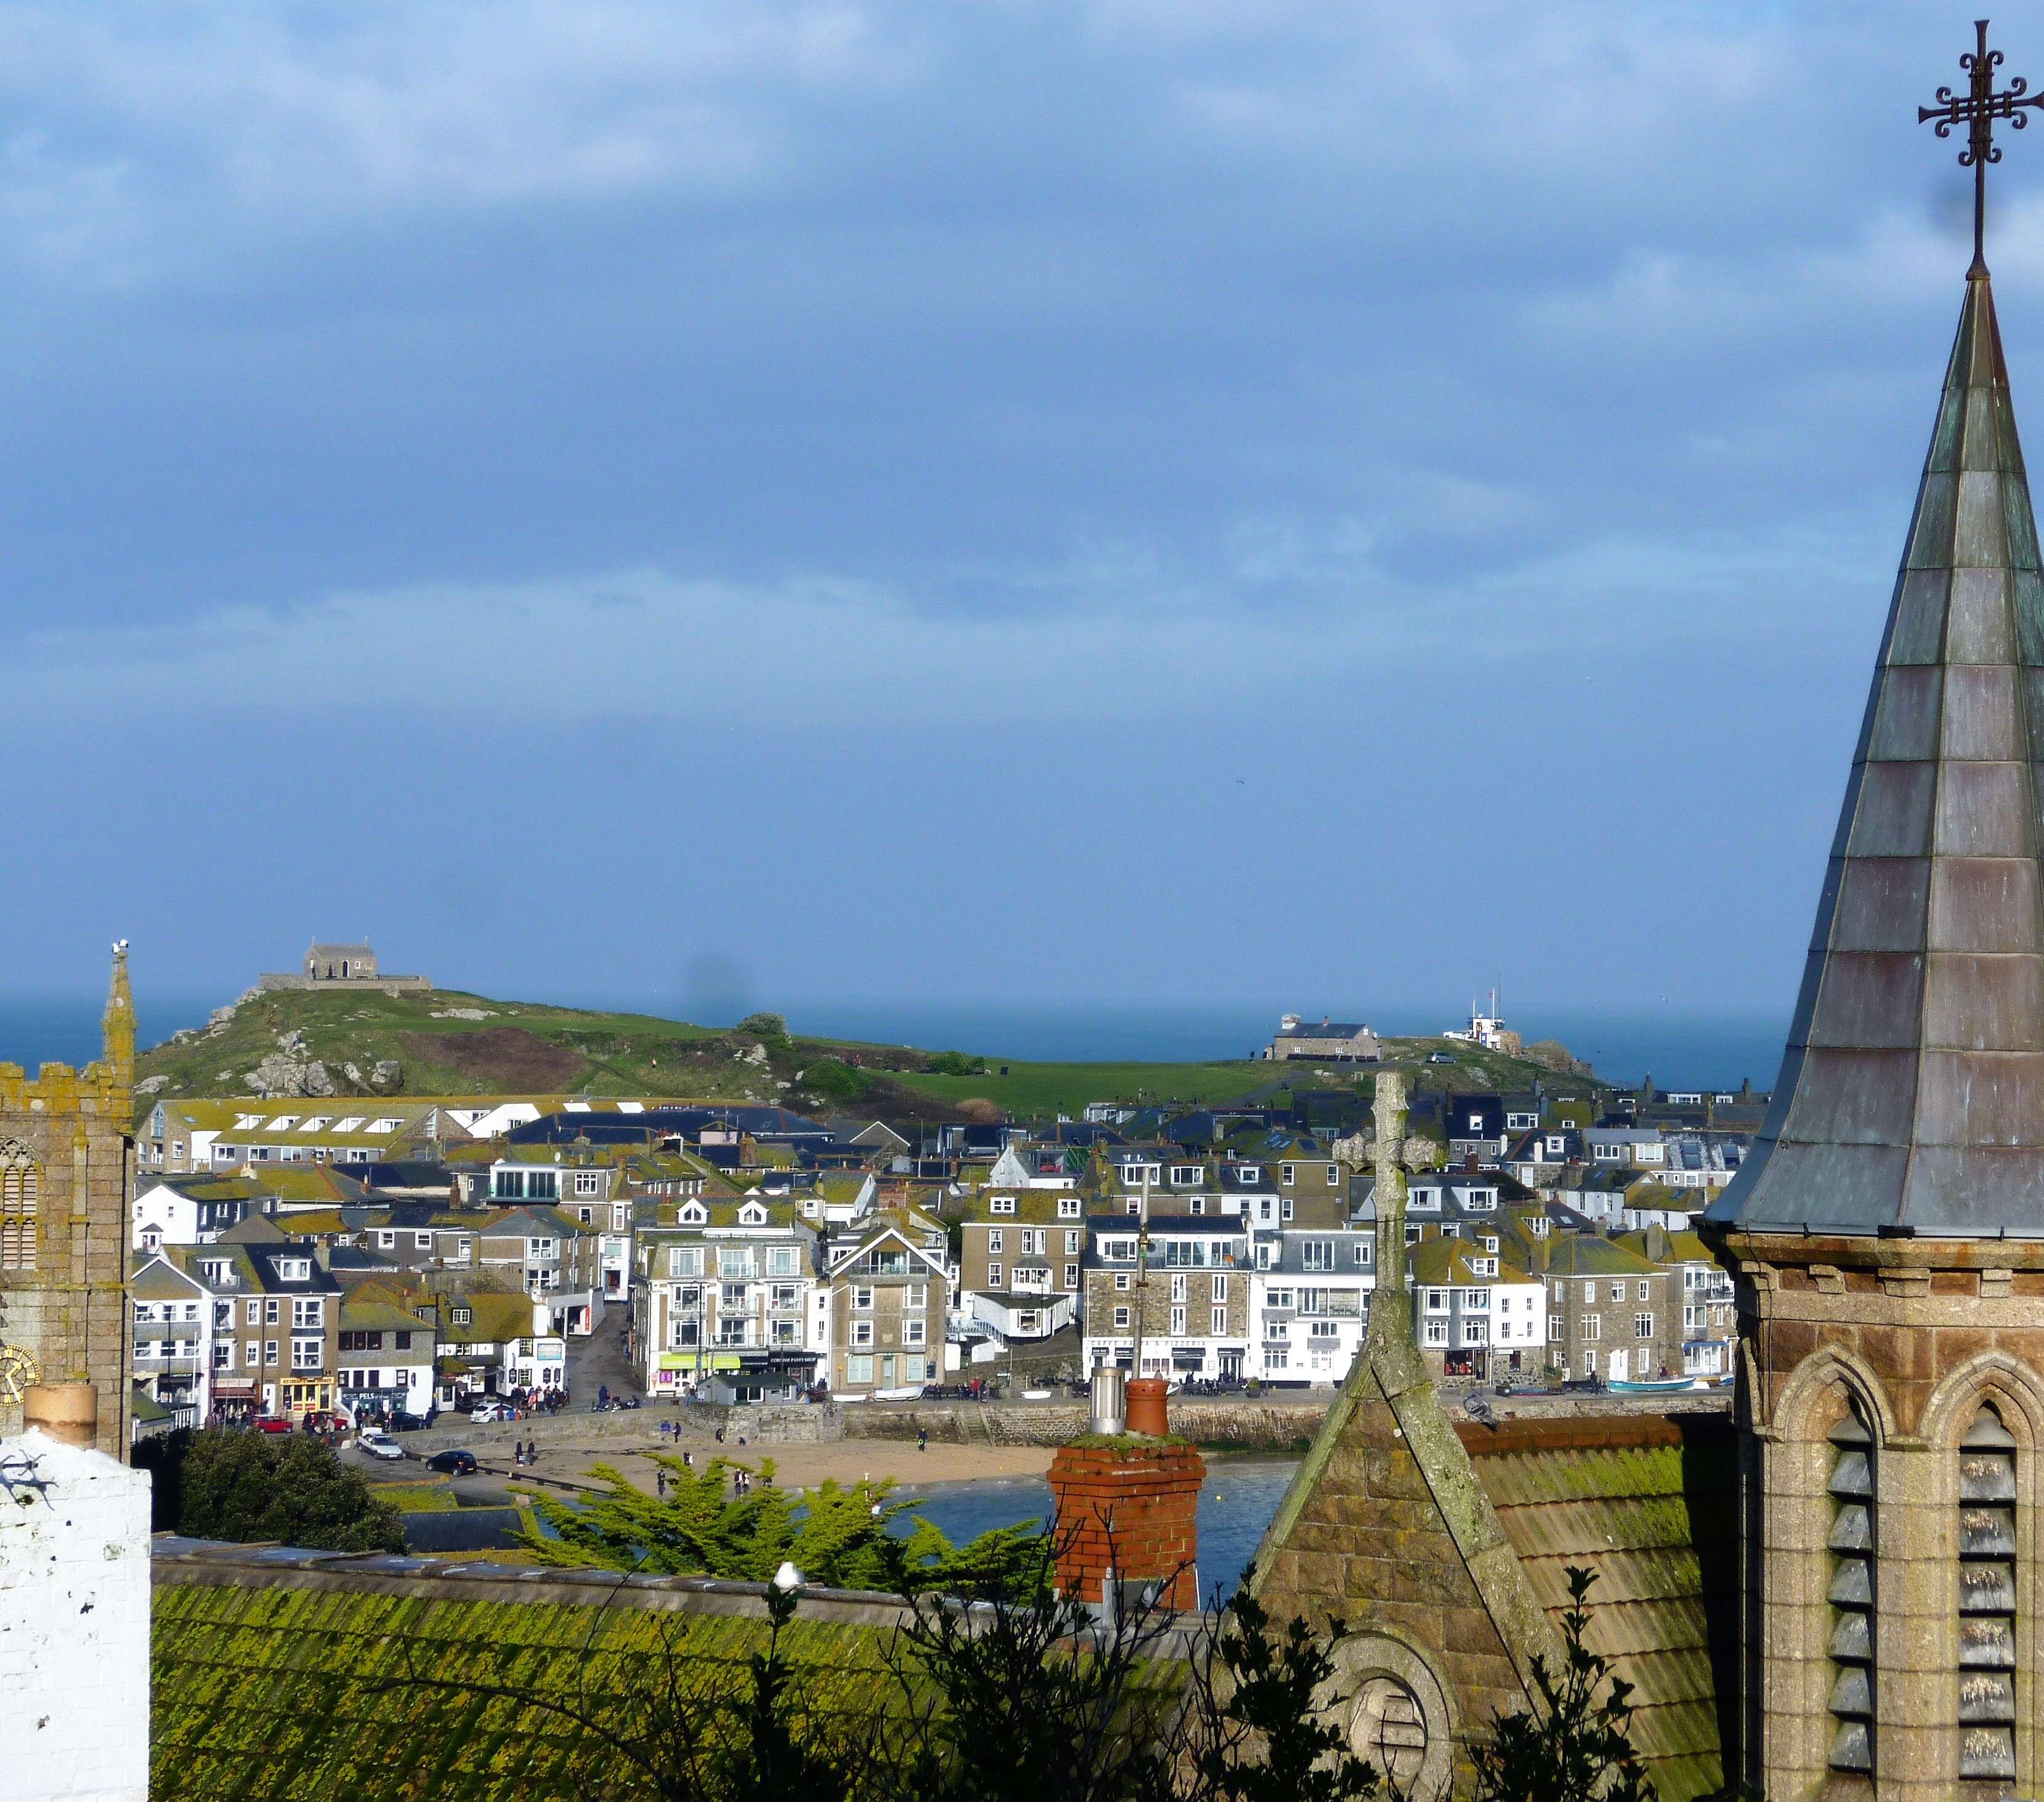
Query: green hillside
{"type": "Point", "coordinates": [447, 1042]}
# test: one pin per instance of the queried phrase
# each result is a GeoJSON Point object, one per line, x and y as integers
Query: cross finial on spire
{"type": "Point", "coordinates": [1978, 109]}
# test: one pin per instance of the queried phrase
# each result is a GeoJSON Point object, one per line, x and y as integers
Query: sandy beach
{"type": "Point", "coordinates": [566, 1456]}
{"type": "Point", "coordinates": [801, 1466]}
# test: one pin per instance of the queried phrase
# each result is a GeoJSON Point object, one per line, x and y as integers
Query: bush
{"type": "Point", "coordinates": [832, 1080]}
{"type": "Point", "coordinates": [288, 1487]}
{"type": "Point", "coordinates": [955, 1063]}
{"type": "Point", "coordinates": [763, 1026]}
{"type": "Point", "coordinates": [835, 1536]}
{"type": "Point", "coordinates": [1575, 1748]}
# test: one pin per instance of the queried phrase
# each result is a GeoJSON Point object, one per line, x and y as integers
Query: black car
{"type": "Point", "coordinates": [455, 1462]}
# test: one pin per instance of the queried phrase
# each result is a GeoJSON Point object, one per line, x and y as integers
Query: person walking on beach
{"type": "Point", "coordinates": [922, 1439]}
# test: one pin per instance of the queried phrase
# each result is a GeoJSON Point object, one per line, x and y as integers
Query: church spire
{"type": "Point", "coordinates": [1911, 1095]}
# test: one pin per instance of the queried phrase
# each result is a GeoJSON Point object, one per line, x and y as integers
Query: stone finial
{"type": "Point", "coordinates": [117, 1024]}
{"type": "Point", "coordinates": [1389, 1315]}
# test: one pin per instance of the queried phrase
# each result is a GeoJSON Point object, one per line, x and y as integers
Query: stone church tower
{"type": "Point", "coordinates": [63, 1201]}
{"type": "Point", "coordinates": [1887, 1232]}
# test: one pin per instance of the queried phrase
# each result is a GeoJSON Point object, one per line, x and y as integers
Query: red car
{"type": "Point", "coordinates": [270, 1423]}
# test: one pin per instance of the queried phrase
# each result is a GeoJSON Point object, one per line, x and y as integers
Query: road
{"type": "Point", "coordinates": [599, 1361]}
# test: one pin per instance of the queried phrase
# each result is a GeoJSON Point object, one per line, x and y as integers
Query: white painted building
{"type": "Point", "coordinates": [74, 1655]}
{"type": "Point", "coordinates": [1310, 1302]}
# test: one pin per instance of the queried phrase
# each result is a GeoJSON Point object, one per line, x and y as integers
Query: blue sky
{"type": "Point", "coordinates": [1314, 504]}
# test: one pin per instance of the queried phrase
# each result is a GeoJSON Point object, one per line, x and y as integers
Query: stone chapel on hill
{"type": "Point", "coordinates": [1837, 1593]}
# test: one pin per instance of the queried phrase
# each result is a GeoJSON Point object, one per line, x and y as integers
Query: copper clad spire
{"type": "Point", "coordinates": [1912, 1094]}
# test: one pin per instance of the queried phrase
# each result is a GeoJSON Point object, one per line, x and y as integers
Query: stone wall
{"type": "Point", "coordinates": [64, 1256]}
{"type": "Point", "coordinates": [75, 1629]}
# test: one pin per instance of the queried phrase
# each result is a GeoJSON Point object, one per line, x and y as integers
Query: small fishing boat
{"type": "Point", "coordinates": [1657, 1385]}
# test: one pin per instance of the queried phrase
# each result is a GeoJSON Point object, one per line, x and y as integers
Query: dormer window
{"type": "Point", "coordinates": [1184, 1175]}
{"type": "Point", "coordinates": [1068, 1207]}
{"type": "Point", "coordinates": [1001, 1204]}
{"type": "Point", "coordinates": [694, 1214]}
{"type": "Point", "coordinates": [1250, 1173]}
{"type": "Point", "coordinates": [752, 1215]}
{"type": "Point", "coordinates": [295, 1269]}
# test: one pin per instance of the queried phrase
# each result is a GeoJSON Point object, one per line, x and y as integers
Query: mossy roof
{"type": "Point", "coordinates": [283, 1675]}
{"type": "Point", "coordinates": [1591, 1254]}
{"type": "Point", "coordinates": [1650, 1506]}
{"type": "Point", "coordinates": [260, 1693]}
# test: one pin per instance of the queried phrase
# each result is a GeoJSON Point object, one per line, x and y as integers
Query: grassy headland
{"type": "Point", "coordinates": [447, 1042]}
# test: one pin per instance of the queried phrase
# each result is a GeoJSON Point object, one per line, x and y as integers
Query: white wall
{"type": "Point", "coordinates": [74, 1628]}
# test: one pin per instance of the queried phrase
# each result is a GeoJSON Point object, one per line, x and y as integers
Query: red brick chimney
{"type": "Point", "coordinates": [1130, 1507]}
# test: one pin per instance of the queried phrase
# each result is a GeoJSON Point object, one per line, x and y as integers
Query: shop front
{"type": "Point", "coordinates": [234, 1400]}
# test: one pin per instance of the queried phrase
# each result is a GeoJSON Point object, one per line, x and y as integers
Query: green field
{"type": "Point", "coordinates": [1031, 1090]}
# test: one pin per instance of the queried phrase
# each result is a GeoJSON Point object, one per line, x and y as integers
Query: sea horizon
{"type": "Point", "coordinates": [1679, 1048]}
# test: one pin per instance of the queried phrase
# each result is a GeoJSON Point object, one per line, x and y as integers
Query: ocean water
{"type": "Point", "coordinates": [1237, 1502]}
{"type": "Point", "coordinates": [39, 1029]}
{"type": "Point", "coordinates": [1678, 1049]}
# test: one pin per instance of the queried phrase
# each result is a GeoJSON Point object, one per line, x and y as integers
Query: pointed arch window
{"type": "Point", "coordinates": [1987, 1599]}
{"type": "Point", "coordinates": [1852, 1596]}
{"type": "Point", "coordinates": [21, 1185]}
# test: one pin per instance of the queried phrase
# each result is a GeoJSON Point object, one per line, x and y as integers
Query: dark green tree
{"type": "Point", "coordinates": [242, 1486]}
{"type": "Point", "coordinates": [1573, 1747]}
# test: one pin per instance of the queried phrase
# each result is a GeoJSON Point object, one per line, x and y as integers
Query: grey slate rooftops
{"type": "Point", "coordinates": [1911, 1093]}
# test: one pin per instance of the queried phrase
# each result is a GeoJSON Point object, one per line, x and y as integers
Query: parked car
{"type": "Point", "coordinates": [454, 1462]}
{"type": "Point", "coordinates": [380, 1445]}
{"type": "Point", "coordinates": [491, 1410]}
{"type": "Point", "coordinates": [272, 1424]}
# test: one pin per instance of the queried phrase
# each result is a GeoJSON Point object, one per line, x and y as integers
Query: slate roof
{"type": "Point", "coordinates": [1650, 1505]}
{"type": "Point", "coordinates": [1911, 1093]}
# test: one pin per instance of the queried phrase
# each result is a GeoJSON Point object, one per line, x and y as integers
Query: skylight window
{"type": "Point", "coordinates": [352, 1124]}
{"type": "Point", "coordinates": [386, 1124]}
{"type": "Point", "coordinates": [314, 1123]}
{"type": "Point", "coordinates": [283, 1122]}
{"type": "Point", "coordinates": [247, 1123]}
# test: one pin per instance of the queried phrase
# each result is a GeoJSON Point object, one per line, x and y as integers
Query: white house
{"type": "Point", "coordinates": [1310, 1300]}
{"type": "Point", "coordinates": [385, 1362]}
{"type": "Point", "coordinates": [1475, 1314]}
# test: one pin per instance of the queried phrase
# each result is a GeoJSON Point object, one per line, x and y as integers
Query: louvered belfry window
{"type": "Point", "coordinates": [1851, 1597]}
{"type": "Point", "coordinates": [1987, 1600]}
{"type": "Point", "coordinates": [19, 1188]}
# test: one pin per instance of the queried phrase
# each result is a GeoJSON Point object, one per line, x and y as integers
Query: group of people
{"type": "Point", "coordinates": [528, 1453]}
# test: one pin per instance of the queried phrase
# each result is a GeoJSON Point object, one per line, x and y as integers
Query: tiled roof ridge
{"type": "Point", "coordinates": [1596, 1432]}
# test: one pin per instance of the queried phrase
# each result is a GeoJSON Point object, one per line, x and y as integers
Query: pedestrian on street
{"type": "Point", "coordinates": [922, 1439]}
{"type": "Point", "coordinates": [531, 1451]}
{"type": "Point", "coordinates": [660, 1484]}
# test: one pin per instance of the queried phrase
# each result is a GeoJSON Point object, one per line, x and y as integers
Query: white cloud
{"type": "Point", "coordinates": [1112, 634]}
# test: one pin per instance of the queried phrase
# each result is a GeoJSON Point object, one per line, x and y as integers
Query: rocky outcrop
{"type": "Point", "coordinates": [288, 1070]}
